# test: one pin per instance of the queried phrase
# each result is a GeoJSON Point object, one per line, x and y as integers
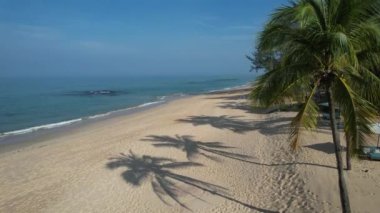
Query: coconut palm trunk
{"type": "Point", "coordinates": [338, 154]}
{"type": "Point", "coordinates": [324, 44]}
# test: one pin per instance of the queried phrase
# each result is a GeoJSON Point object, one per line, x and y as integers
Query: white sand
{"type": "Point", "coordinates": [237, 161]}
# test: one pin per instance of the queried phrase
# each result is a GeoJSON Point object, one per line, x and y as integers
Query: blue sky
{"type": "Point", "coordinates": [135, 37]}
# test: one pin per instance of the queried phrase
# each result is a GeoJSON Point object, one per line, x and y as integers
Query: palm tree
{"type": "Point", "coordinates": [327, 46]}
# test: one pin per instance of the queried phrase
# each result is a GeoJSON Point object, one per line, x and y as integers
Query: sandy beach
{"type": "Point", "coordinates": [206, 153]}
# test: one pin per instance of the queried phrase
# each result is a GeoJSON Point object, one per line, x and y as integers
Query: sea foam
{"type": "Point", "coordinates": [66, 123]}
{"type": "Point", "coordinates": [46, 126]}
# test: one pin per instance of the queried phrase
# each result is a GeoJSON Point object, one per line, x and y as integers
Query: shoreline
{"type": "Point", "coordinates": [78, 120]}
{"type": "Point", "coordinates": [9, 143]}
{"type": "Point", "coordinates": [210, 151]}
{"type": "Point", "coordinates": [13, 140]}
{"type": "Point", "coordinates": [160, 100]}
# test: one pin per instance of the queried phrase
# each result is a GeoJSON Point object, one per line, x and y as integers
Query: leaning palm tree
{"type": "Point", "coordinates": [330, 47]}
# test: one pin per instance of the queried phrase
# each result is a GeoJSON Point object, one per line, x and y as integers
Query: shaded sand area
{"type": "Point", "coordinates": [207, 153]}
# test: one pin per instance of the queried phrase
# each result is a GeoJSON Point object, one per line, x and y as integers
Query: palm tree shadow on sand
{"type": "Point", "coordinates": [165, 182]}
{"type": "Point", "coordinates": [192, 148]}
{"type": "Point", "coordinates": [233, 123]}
{"type": "Point", "coordinates": [240, 125]}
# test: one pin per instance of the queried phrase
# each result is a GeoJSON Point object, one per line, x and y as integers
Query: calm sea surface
{"type": "Point", "coordinates": [27, 103]}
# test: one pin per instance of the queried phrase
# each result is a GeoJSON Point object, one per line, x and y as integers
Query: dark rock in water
{"type": "Point", "coordinates": [96, 93]}
{"type": "Point", "coordinates": [101, 92]}
{"type": "Point", "coordinates": [10, 114]}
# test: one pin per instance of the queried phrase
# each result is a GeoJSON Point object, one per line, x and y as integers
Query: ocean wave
{"type": "Point", "coordinates": [172, 96]}
{"type": "Point", "coordinates": [66, 123]}
{"type": "Point", "coordinates": [149, 104]}
{"type": "Point", "coordinates": [123, 110]}
{"type": "Point", "coordinates": [160, 99]}
{"type": "Point", "coordinates": [99, 115]}
{"type": "Point", "coordinates": [46, 126]}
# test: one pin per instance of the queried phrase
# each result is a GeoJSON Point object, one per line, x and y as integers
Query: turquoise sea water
{"type": "Point", "coordinates": [28, 103]}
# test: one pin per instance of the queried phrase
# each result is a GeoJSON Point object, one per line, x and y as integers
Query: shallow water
{"type": "Point", "coordinates": [28, 104]}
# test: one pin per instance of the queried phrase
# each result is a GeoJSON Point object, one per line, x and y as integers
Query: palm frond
{"type": "Point", "coordinates": [342, 46]}
{"type": "Point", "coordinates": [369, 58]}
{"type": "Point", "coordinates": [278, 84]}
{"type": "Point", "coordinates": [368, 86]}
{"type": "Point", "coordinates": [366, 34]}
{"type": "Point", "coordinates": [320, 13]}
{"type": "Point", "coordinates": [356, 111]}
{"type": "Point", "coordinates": [305, 119]}
{"type": "Point", "coordinates": [313, 40]}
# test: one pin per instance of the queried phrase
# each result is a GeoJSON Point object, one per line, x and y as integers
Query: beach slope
{"type": "Point", "coordinates": [207, 153]}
